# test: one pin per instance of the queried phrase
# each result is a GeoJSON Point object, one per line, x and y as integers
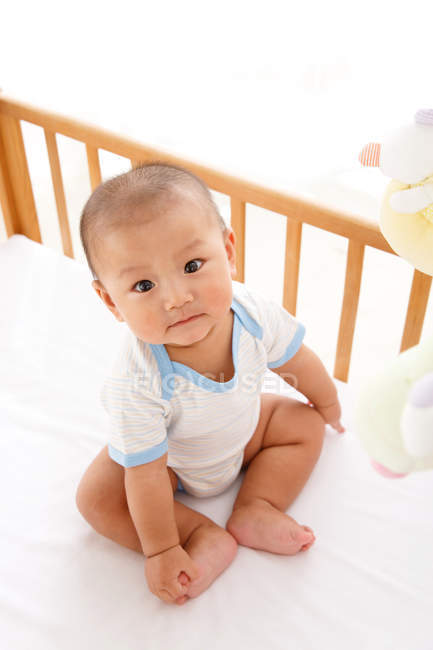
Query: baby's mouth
{"type": "Point", "coordinates": [187, 320]}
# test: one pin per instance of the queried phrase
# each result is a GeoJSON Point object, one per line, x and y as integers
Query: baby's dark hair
{"type": "Point", "coordinates": [116, 200]}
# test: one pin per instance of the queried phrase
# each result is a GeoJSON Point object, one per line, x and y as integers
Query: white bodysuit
{"type": "Point", "coordinates": [157, 405]}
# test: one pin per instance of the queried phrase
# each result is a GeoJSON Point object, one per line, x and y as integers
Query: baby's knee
{"type": "Point", "coordinates": [101, 491]}
{"type": "Point", "coordinates": [84, 499]}
{"type": "Point", "coordinates": [91, 501]}
{"type": "Point", "coordinates": [315, 427]}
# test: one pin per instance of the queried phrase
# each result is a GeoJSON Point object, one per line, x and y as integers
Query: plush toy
{"type": "Point", "coordinates": [394, 411]}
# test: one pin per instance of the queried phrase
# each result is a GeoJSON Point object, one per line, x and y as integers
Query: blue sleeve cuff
{"type": "Point", "coordinates": [292, 349]}
{"type": "Point", "coordinates": [139, 458]}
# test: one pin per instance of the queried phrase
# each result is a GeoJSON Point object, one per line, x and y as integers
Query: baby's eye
{"type": "Point", "coordinates": [193, 268]}
{"type": "Point", "coordinates": [145, 284]}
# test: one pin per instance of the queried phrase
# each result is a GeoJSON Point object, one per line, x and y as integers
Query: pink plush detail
{"type": "Point", "coordinates": [385, 471]}
{"type": "Point", "coordinates": [370, 155]}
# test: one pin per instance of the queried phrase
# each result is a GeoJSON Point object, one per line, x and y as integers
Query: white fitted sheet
{"type": "Point", "coordinates": [367, 582]}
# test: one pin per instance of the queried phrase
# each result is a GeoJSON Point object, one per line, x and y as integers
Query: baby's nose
{"type": "Point", "coordinates": [176, 295]}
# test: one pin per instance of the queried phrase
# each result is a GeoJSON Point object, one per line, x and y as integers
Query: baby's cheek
{"type": "Point", "coordinates": [145, 326]}
{"type": "Point", "coordinates": [220, 297]}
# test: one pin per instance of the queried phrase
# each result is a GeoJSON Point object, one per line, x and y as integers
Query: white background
{"type": "Point", "coordinates": [285, 94]}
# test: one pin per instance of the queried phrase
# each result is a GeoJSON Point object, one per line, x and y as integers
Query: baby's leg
{"type": "Point", "coordinates": [280, 457]}
{"type": "Point", "coordinates": [101, 499]}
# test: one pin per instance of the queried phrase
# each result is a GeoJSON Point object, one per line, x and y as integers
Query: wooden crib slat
{"type": "Point", "coordinates": [419, 295]}
{"type": "Point", "coordinates": [237, 222]}
{"type": "Point", "coordinates": [59, 192]}
{"type": "Point", "coordinates": [6, 194]}
{"type": "Point", "coordinates": [94, 166]}
{"type": "Point", "coordinates": [143, 158]}
{"type": "Point", "coordinates": [291, 264]}
{"type": "Point", "coordinates": [350, 225]}
{"type": "Point", "coordinates": [352, 286]}
{"type": "Point", "coordinates": [16, 193]}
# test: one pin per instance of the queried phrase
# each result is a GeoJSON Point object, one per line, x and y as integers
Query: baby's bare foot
{"type": "Point", "coordinates": [212, 549]}
{"type": "Point", "coordinates": [260, 525]}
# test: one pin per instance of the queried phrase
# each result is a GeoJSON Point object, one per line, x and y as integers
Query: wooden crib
{"type": "Point", "coordinates": [20, 215]}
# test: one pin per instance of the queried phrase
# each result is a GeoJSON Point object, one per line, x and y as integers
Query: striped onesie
{"type": "Point", "coordinates": [156, 405]}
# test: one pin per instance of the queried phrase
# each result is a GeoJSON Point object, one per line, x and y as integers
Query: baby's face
{"type": "Point", "coordinates": [169, 269]}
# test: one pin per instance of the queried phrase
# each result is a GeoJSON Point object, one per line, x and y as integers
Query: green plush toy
{"type": "Point", "coordinates": [394, 411]}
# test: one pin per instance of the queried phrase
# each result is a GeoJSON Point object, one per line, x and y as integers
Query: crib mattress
{"type": "Point", "coordinates": [367, 582]}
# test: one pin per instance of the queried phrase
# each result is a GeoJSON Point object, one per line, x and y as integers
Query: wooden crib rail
{"type": "Point", "coordinates": [19, 210]}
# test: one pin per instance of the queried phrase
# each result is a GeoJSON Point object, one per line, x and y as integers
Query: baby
{"type": "Point", "coordinates": [184, 396]}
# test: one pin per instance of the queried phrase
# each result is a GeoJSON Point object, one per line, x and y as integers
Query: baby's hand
{"type": "Point", "coordinates": [163, 573]}
{"type": "Point", "coordinates": [331, 414]}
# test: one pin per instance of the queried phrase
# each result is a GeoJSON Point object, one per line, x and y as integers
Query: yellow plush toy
{"type": "Point", "coordinates": [394, 412]}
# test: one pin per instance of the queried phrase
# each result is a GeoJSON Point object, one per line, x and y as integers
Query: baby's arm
{"type": "Point", "coordinates": [151, 504]}
{"type": "Point", "coordinates": [305, 372]}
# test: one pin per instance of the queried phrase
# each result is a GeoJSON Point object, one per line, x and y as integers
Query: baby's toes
{"type": "Point", "coordinates": [184, 581]}
{"type": "Point", "coordinates": [309, 543]}
{"type": "Point", "coordinates": [183, 578]}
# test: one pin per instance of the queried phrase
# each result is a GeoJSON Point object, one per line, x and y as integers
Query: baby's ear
{"type": "Point", "coordinates": [106, 299]}
{"type": "Point", "coordinates": [230, 246]}
{"type": "Point", "coordinates": [99, 288]}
